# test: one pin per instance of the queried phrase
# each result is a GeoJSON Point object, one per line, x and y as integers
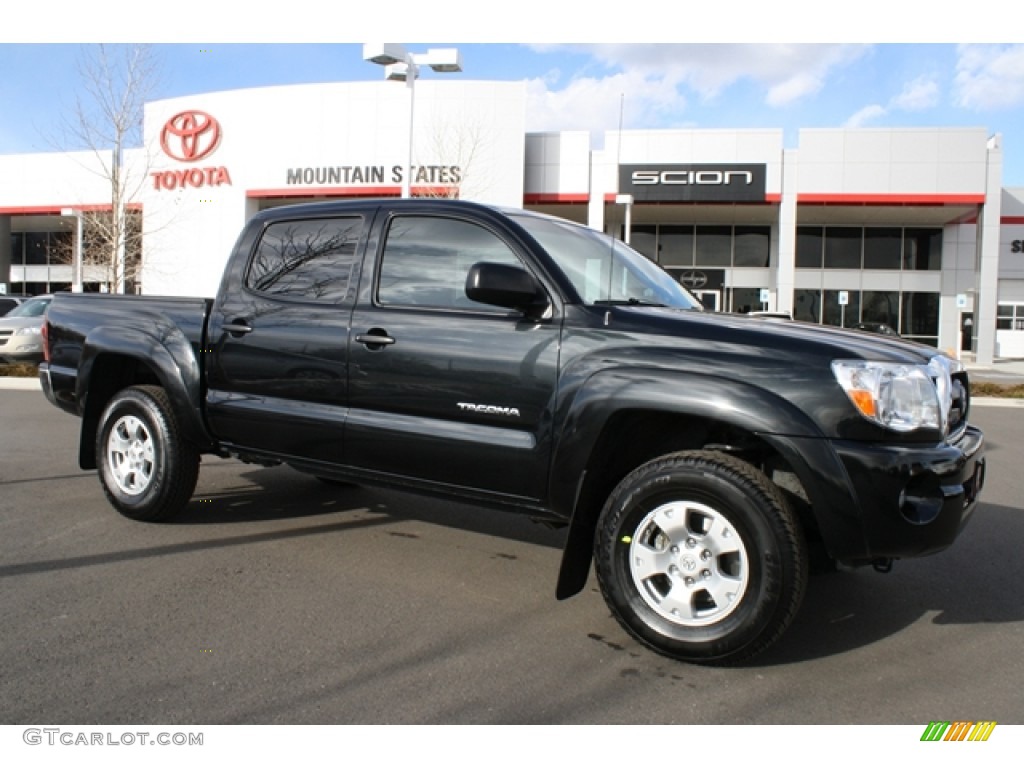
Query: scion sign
{"type": "Point", "coordinates": [693, 183]}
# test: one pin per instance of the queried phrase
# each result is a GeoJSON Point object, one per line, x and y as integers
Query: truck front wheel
{"type": "Point", "coordinates": [700, 558]}
{"type": "Point", "coordinates": [148, 471]}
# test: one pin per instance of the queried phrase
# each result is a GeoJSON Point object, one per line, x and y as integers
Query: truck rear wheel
{"type": "Point", "coordinates": [700, 558]}
{"type": "Point", "coordinates": [148, 471]}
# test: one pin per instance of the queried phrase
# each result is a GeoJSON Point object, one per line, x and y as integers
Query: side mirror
{"type": "Point", "coordinates": [506, 286]}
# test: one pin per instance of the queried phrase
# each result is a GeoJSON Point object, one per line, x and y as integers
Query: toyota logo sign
{"type": "Point", "coordinates": [190, 136]}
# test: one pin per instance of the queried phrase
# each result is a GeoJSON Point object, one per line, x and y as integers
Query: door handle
{"type": "Point", "coordinates": [237, 328]}
{"type": "Point", "coordinates": [375, 338]}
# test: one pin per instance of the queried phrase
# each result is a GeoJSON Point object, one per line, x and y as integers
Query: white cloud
{"type": "Point", "coordinates": [989, 76]}
{"type": "Point", "coordinates": [864, 116]}
{"type": "Point", "coordinates": [656, 78]}
{"type": "Point", "coordinates": [793, 89]}
{"type": "Point", "coordinates": [917, 95]}
{"type": "Point", "coordinates": [595, 103]}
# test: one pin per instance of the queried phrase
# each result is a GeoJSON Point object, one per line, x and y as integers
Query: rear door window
{"type": "Point", "coordinates": [307, 260]}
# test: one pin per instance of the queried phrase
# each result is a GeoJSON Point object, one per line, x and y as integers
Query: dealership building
{"type": "Point", "coordinates": [910, 227]}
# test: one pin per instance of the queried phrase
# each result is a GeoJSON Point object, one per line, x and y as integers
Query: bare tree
{"type": "Point", "coordinates": [457, 146]}
{"type": "Point", "coordinates": [116, 82]}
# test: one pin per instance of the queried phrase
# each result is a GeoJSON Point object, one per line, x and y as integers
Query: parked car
{"type": "Point", "coordinates": [8, 302]}
{"type": "Point", "coordinates": [882, 328]}
{"type": "Point", "coordinates": [21, 329]}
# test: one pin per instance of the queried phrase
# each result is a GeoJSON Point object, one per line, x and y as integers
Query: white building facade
{"type": "Point", "coordinates": [909, 227]}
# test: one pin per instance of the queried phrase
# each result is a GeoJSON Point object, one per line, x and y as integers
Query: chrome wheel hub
{"type": "Point", "coordinates": [131, 455]}
{"type": "Point", "coordinates": [688, 563]}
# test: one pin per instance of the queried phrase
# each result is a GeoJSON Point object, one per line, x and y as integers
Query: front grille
{"type": "Point", "coordinates": [960, 405]}
{"type": "Point", "coordinates": [951, 384]}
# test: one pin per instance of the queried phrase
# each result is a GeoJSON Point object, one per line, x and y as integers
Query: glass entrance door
{"type": "Point", "coordinates": [712, 300]}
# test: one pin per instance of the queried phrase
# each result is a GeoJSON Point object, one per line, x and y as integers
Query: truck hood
{"type": "Point", "coordinates": [781, 361]}
{"type": "Point", "coordinates": [773, 337]}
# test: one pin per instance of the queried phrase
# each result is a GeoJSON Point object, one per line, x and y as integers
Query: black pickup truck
{"type": "Point", "coordinates": [522, 362]}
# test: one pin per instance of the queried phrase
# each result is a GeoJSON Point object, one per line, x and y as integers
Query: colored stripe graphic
{"type": "Point", "coordinates": [959, 730]}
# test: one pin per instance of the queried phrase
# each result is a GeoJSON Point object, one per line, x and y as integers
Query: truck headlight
{"type": "Point", "coordinates": [894, 395]}
{"type": "Point", "coordinates": [32, 330]}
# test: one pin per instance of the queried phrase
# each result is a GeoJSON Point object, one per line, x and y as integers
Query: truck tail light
{"type": "Point", "coordinates": [46, 340]}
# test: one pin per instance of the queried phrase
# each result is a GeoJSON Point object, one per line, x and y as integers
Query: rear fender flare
{"type": "Point", "coordinates": [167, 353]}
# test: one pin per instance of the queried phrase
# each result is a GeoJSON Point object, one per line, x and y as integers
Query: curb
{"type": "Point", "coordinates": [999, 402]}
{"type": "Point", "coordinates": [23, 383]}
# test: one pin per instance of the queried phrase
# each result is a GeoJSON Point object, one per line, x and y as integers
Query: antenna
{"type": "Point", "coordinates": [618, 158]}
{"type": "Point", "coordinates": [618, 143]}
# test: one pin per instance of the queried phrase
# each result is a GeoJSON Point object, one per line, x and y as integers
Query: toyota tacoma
{"type": "Point", "coordinates": [516, 361]}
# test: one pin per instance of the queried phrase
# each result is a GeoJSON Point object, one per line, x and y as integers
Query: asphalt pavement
{"type": "Point", "coordinates": [277, 599]}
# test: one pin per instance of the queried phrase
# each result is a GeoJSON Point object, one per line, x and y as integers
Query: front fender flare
{"type": "Point", "coordinates": [737, 403]}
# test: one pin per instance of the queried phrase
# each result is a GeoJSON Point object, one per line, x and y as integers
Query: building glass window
{"type": "Point", "coordinates": [922, 249]}
{"type": "Point", "coordinates": [61, 248]}
{"type": "Point", "coordinates": [914, 315]}
{"type": "Point", "coordinates": [709, 246]}
{"type": "Point", "coordinates": [746, 300]}
{"type": "Point", "coordinates": [838, 315]}
{"type": "Point", "coordinates": [1005, 317]}
{"type": "Point", "coordinates": [752, 247]}
{"type": "Point", "coordinates": [644, 239]}
{"type": "Point", "coordinates": [881, 307]}
{"type": "Point", "coordinates": [807, 305]}
{"type": "Point", "coordinates": [1010, 317]}
{"type": "Point", "coordinates": [714, 246]}
{"type": "Point", "coordinates": [883, 248]}
{"type": "Point", "coordinates": [17, 249]}
{"type": "Point", "coordinates": [36, 247]}
{"type": "Point", "coordinates": [675, 245]}
{"type": "Point", "coordinates": [920, 317]}
{"type": "Point", "coordinates": [809, 247]}
{"type": "Point", "coordinates": [842, 247]}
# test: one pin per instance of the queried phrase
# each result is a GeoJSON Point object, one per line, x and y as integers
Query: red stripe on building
{"type": "Point", "coordinates": [856, 198]}
{"type": "Point", "coordinates": [768, 199]}
{"type": "Point", "coordinates": [420, 191]}
{"type": "Point", "coordinates": [328, 192]}
{"type": "Point", "coordinates": [55, 210]}
{"type": "Point", "coordinates": [543, 198]}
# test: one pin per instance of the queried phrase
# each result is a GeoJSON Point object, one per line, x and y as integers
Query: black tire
{"type": "Point", "coordinates": [147, 470]}
{"type": "Point", "coordinates": [700, 558]}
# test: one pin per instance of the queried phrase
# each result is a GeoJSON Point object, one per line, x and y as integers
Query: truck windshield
{"type": "Point", "coordinates": [605, 270]}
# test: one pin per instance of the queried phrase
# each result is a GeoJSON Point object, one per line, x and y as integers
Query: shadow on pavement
{"type": "Point", "coordinates": [280, 493]}
{"type": "Point", "coordinates": [976, 581]}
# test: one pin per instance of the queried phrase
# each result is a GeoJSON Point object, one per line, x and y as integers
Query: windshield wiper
{"type": "Point", "coordinates": [630, 302]}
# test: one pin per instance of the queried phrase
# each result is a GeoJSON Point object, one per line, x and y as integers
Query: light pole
{"type": "Point", "coordinates": [76, 252]}
{"type": "Point", "coordinates": [627, 200]}
{"type": "Point", "coordinates": [399, 64]}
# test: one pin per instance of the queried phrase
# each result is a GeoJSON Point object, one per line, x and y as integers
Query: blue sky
{"type": "Point", "coordinates": [743, 79]}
